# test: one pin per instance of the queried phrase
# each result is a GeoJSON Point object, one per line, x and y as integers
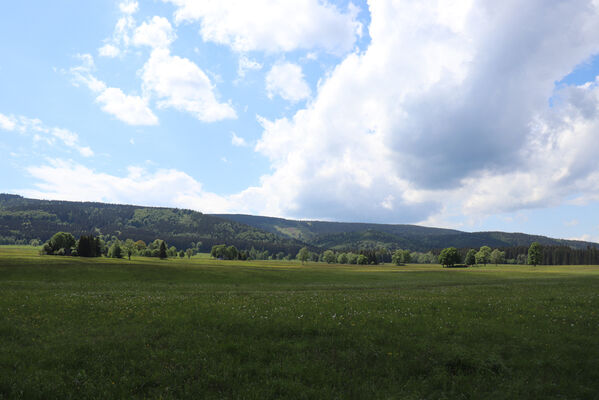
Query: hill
{"type": "Point", "coordinates": [349, 235]}
{"type": "Point", "coordinates": [23, 219]}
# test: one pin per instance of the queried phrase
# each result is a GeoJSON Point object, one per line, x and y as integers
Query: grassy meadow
{"type": "Point", "coordinates": [201, 328]}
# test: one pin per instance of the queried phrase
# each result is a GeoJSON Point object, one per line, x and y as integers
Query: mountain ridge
{"type": "Point", "coordinates": [23, 219]}
{"type": "Point", "coordinates": [414, 237]}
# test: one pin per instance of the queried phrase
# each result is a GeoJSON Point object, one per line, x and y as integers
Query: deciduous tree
{"type": "Point", "coordinates": [303, 254]}
{"type": "Point", "coordinates": [449, 257]}
{"type": "Point", "coordinates": [470, 257]}
{"type": "Point", "coordinates": [535, 254]}
{"type": "Point", "coordinates": [497, 257]}
{"type": "Point", "coordinates": [483, 256]}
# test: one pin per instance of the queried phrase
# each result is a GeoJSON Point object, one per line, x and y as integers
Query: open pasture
{"type": "Point", "coordinates": [201, 328]}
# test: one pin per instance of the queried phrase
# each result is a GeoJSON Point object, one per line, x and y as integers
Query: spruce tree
{"type": "Point", "coordinates": [162, 253]}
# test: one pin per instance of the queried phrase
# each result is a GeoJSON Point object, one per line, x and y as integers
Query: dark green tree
{"type": "Point", "coordinates": [449, 257]}
{"type": "Point", "coordinates": [329, 257]}
{"type": "Point", "coordinates": [535, 254]}
{"type": "Point", "coordinates": [342, 258]}
{"type": "Point", "coordinates": [397, 257]}
{"type": "Point", "coordinates": [115, 250]}
{"type": "Point", "coordinates": [129, 247]}
{"type": "Point", "coordinates": [497, 257]}
{"type": "Point", "coordinates": [218, 251]}
{"type": "Point", "coordinates": [406, 257]}
{"type": "Point", "coordinates": [470, 257]}
{"type": "Point", "coordinates": [362, 259]}
{"type": "Point", "coordinates": [60, 240]}
{"type": "Point", "coordinates": [162, 251]}
{"type": "Point", "coordinates": [88, 246]}
{"type": "Point", "coordinates": [484, 255]}
{"type": "Point", "coordinates": [231, 253]}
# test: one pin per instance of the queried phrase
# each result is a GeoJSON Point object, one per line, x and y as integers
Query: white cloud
{"type": "Point", "coordinates": [179, 83]}
{"type": "Point", "coordinates": [121, 37]}
{"type": "Point", "coordinates": [129, 7]}
{"type": "Point", "coordinates": [71, 140]}
{"type": "Point", "coordinates": [132, 110]}
{"type": "Point", "coordinates": [109, 50]}
{"type": "Point", "coordinates": [67, 180]}
{"type": "Point", "coordinates": [237, 141]}
{"type": "Point", "coordinates": [245, 64]}
{"type": "Point", "coordinates": [272, 25]}
{"type": "Point", "coordinates": [156, 33]}
{"type": "Point", "coordinates": [287, 81]}
{"type": "Point", "coordinates": [7, 123]}
{"type": "Point", "coordinates": [446, 113]}
{"type": "Point", "coordinates": [41, 132]}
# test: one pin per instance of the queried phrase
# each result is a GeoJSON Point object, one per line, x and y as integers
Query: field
{"type": "Point", "coordinates": [200, 328]}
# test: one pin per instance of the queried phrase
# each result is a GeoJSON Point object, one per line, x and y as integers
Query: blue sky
{"type": "Point", "coordinates": [464, 114]}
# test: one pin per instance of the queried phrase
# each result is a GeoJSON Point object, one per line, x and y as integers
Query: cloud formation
{"type": "Point", "coordinates": [272, 26]}
{"type": "Point", "coordinates": [178, 83]}
{"type": "Point", "coordinates": [130, 109]}
{"type": "Point", "coordinates": [156, 33]}
{"type": "Point", "coordinates": [287, 80]}
{"type": "Point", "coordinates": [118, 44]}
{"type": "Point", "coordinates": [67, 180]}
{"type": "Point", "coordinates": [445, 112]}
{"type": "Point", "coordinates": [40, 132]}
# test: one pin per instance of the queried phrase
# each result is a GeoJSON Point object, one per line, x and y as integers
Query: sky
{"type": "Point", "coordinates": [473, 115]}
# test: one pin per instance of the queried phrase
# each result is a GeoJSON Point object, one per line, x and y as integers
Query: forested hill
{"type": "Point", "coordinates": [346, 236]}
{"type": "Point", "coordinates": [23, 219]}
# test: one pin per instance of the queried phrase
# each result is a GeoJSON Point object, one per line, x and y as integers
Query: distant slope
{"type": "Point", "coordinates": [22, 218]}
{"type": "Point", "coordinates": [344, 235]}
{"type": "Point", "coordinates": [309, 230]}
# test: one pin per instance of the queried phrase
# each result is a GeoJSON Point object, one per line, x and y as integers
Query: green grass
{"type": "Point", "coordinates": [200, 328]}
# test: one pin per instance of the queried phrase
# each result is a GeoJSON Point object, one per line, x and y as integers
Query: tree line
{"type": "Point", "coordinates": [64, 243]}
{"type": "Point", "coordinates": [450, 256]}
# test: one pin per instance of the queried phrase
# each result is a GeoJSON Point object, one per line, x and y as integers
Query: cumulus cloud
{"type": "Point", "coordinates": [132, 110]}
{"type": "Point", "coordinates": [179, 83]}
{"type": "Point", "coordinates": [447, 111]}
{"type": "Point", "coordinates": [272, 25]}
{"type": "Point", "coordinates": [156, 32]}
{"type": "Point", "coordinates": [287, 80]}
{"type": "Point", "coordinates": [67, 180]}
